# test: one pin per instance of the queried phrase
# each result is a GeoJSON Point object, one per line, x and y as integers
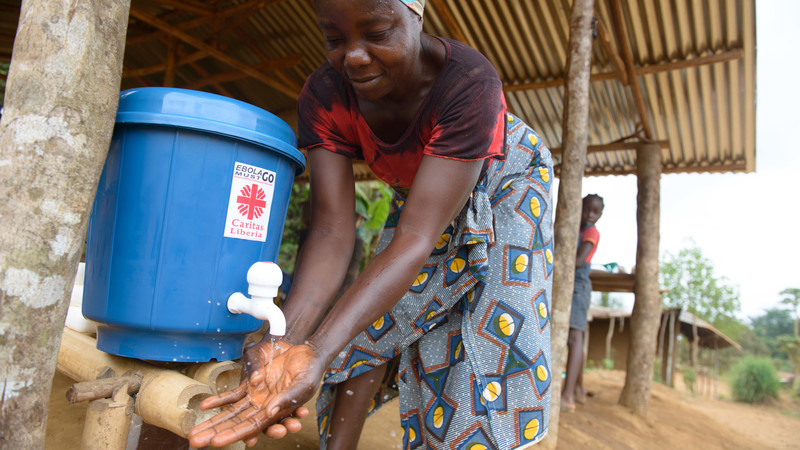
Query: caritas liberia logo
{"type": "Point", "coordinates": [249, 203]}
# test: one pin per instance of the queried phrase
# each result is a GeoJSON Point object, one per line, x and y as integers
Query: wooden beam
{"type": "Point", "coordinates": [158, 68]}
{"type": "Point", "coordinates": [443, 11]}
{"type": "Point", "coordinates": [172, 54]}
{"type": "Point", "coordinates": [725, 56]}
{"type": "Point", "coordinates": [236, 10]}
{"type": "Point", "coordinates": [613, 55]}
{"type": "Point", "coordinates": [204, 75]}
{"type": "Point", "coordinates": [627, 57]}
{"type": "Point", "coordinates": [244, 37]}
{"type": "Point", "coordinates": [729, 55]}
{"type": "Point", "coordinates": [220, 55]}
{"type": "Point", "coordinates": [617, 146]}
{"type": "Point", "coordinates": [267, 66]}
{"type": "Point", "coordinates": [194, 7]}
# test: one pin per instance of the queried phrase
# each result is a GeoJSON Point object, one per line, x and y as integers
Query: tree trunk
{"type": "Point", "coordinates": [647, 307]}
{"type": "Point", "coordinates": [568, 212]}
{"type": "Point", "coordinates": [58, 118]}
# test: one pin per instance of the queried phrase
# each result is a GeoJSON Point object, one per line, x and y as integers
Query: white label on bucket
{"type": "Point", "coordinates": [249, 203]}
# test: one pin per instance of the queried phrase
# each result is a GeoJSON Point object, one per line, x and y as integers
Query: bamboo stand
{"type": "Point", "coordinates": [164, 398]}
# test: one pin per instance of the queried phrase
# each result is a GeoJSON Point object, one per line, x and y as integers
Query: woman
{"type": "Point", "coordinates": [453, 312]}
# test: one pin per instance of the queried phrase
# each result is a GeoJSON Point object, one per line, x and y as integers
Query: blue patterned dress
{"type": "Point", "coordinates": [468, 346]}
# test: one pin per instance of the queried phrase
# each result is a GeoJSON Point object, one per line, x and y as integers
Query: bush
{"type": "Point", "coordinates": [754, 380]}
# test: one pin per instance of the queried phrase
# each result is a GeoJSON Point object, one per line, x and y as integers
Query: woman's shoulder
{"type": "Point", "coordinates": [464, 60]}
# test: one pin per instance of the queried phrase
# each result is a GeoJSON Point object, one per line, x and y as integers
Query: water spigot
{"type": "Point", "coordinates": [264, 279]}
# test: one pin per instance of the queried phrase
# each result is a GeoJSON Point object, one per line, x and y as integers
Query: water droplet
{"type": "Point", "coordinates": [348, 392]}
{"type": "Point", "coordinates": [209, 302]}
{"type": "Point", "coordinates": [218, 332]}
{"type": "Point", "coordinates": [217, 303]}
{"type": "Point", "coordinates": [174, 359]}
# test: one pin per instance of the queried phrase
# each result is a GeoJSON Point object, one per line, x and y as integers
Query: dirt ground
{"type": "Point", "coordinates": [676, 419]}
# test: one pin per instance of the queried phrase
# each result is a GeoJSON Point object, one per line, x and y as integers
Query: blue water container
{"type": "Point", "coordinates": [195, 190]}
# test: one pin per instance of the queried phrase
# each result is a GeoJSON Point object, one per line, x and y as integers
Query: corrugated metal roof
{"type": "Point", "coordinates": [692, 88]}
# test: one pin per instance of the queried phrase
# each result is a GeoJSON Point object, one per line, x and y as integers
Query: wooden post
{"type": "Point", "coordinates": [694, 345]}
{"type": "Point", "coordinates": [573, 162]}
{"type": "Point", "coordinates": [662, 330]}
{"type": "Point", "coordinates": [671, 348]}
{"type": "Point", "coordinates": [609, 336]}
{"type": "Point", "coordinates": [585, 348]}
{"type": "Point", "coordinates": [716, 366]}
{"type": "Point", "coordinates": [107, 422]}
{"type": "Point", "coordinates": [647, 306]}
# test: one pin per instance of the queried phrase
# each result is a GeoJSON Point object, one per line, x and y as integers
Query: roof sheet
{"type": "Point", "coordinates": [691, 63]}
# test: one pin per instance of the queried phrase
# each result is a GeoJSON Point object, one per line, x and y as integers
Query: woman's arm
{"type": "Point", "coordinates": [326, 252]}
{"type": "Point", "coordinates": [440, 190]}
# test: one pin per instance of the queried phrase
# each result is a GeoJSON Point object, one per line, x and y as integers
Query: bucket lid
{"type": "Point", "coordinates": [213, 113]}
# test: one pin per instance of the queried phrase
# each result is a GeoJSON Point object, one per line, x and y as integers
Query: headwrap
{"type": "Point", "coordinates": [416, 5]}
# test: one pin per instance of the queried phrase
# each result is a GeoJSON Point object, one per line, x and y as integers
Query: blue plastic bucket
{"type": "Point", "coordinates": [194, 190]}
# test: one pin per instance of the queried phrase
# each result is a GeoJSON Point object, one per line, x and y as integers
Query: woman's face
{"type": "Point", "coordinates": [373, 44]}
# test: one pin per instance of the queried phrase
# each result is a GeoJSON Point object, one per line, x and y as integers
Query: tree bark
{"type": "Point", "coordinates": [61, 99]}
{"type": "Point", "coordinates": [647, 306]}
{"type": "Point", "coordinates": [568, 212]}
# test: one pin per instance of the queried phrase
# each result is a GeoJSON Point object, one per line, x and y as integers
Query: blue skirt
{"type": "Point", "coordinates": [468, 346]}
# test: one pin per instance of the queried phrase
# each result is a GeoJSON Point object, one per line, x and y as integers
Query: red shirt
{"type": "Point", "coordinates": [590, 234]}
{"type": "Point", "coordinates": [462, 118]}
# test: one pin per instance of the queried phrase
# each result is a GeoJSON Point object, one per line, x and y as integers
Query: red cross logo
{"type": "Point", "coordinates": [251, 201]}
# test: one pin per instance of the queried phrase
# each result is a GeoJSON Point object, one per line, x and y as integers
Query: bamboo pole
{"type": "Point", "coordinates": [166, 398]}
{"type": "Point", "coordinates": [108, 421]}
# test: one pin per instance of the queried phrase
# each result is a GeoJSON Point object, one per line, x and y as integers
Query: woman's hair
{"type": "Point", "coordinates": [593, 197]}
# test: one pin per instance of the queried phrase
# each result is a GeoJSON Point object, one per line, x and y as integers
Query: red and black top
{"type": "Point", "coordinates": [462, 118]}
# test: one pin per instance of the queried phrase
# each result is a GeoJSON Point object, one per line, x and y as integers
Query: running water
{"type": "Point", "coordinates": [271, 350]}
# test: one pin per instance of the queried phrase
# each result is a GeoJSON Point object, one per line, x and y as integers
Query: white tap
{"type": "Point", "coordinates": [264, 279]}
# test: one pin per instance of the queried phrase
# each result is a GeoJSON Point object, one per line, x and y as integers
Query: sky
{"type": "Point", "coordinates": [744, 224]}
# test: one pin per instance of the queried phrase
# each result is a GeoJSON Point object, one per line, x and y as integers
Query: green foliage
{"type": "Point", "coordinates": [3, 74]}
{"type": "Point", "coordinates": [790, 345]}
{"type": "Point", "coordinates": [689, 378]}
{"type": "Point", "coordinates": [791, 297]}
{"type": "Point", "coordinates": [768, 326]}
{"type": "Point", "coordinates": [657, 370]}
{"type": "Point", "coordinates": [754, 380]}
{"type": "Point", "coordinates": [606, 300]}
{"type": "Point", "coordinates": [692, 285]}
{"type": "Point", "coordinates": [373, 201]}
{"type": "Point", "coordinates": [608, 363]}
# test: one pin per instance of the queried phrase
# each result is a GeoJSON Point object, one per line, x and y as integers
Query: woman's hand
{"type": "Point", "coordinates": [271, 393]}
